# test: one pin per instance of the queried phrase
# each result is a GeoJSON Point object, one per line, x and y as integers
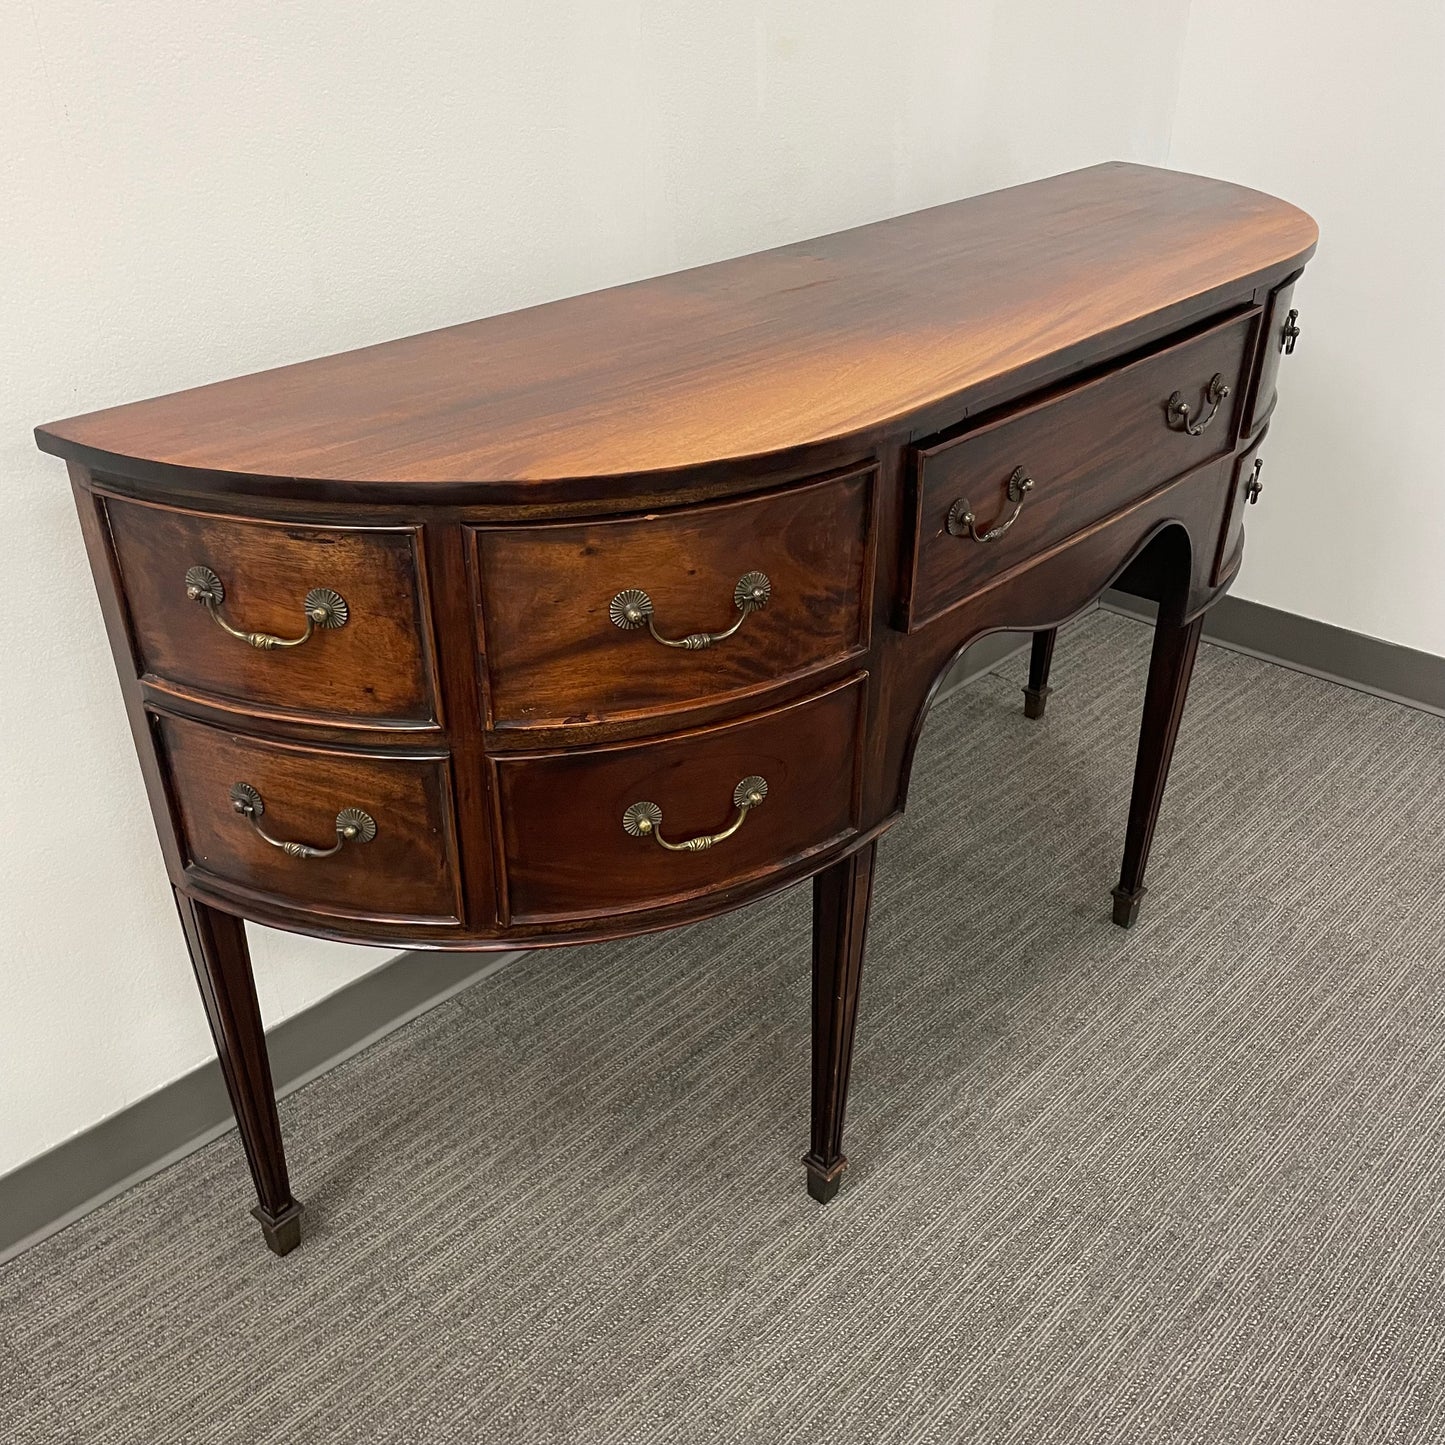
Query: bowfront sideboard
{"type": "Point", "coordinates": [621, 611]}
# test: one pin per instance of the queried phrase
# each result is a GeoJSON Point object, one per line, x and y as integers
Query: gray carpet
{"type": "Point", "coordinates": [1183, 1184]}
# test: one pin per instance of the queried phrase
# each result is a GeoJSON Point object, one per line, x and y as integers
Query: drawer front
{"type": "Point", "coordinates": [374, 667]}
{"type": "Point", "coordinates": [408, 870]}
{"type": "Point", "coordinates": [1087, 452]}
{"type": "Point", "coordinates": [1279, 337]}
{"type": "Point", "coordinates": [554, 653]}
{"type": "Point", "coordinates": [1246, 474]}
{"type": "Point", "coordinates": [570, 854]}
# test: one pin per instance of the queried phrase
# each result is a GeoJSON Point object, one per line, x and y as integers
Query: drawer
{"type": "Point", "coordinates": [1246, 474]}
{"type": "Point", "coordinates": [407, 870]}
{"type": "Point", "coordinates": [572, 848]}
{"type": "Point", "coordinates": [552, 598]}
{"type": "Point", "coordinates": [1051, 468]}
{"type": "Point", "coordinates": [374, 667]}
{"type": "Point", "coordinates": [1278, 342]}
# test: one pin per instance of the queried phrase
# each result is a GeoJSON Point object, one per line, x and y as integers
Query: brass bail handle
{"type": "Point", "coordinates": [352, 825]}
{"type": "Point", "coordinates": [322, 607]}
{"type": "Point", "coordinates": [632, 608]}
{"type": "Point", "coordinates": [1178, 414]}
{"type": "Point", "coordinates": [962, 523]}
{"type": "Point", "coordinates": [644, 819]}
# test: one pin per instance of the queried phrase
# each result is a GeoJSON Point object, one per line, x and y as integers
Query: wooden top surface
{"type": "Point", "coordinates": [806, 343]}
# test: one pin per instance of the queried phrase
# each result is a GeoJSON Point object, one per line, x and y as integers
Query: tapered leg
{"type": "Point", "coordinates": [841, 895]}
{"type": "Point", "coordinates": [1170, 666]}
{"type": "Point", "coordinates": [223, 970]}
{"type": "Point", "coordinates": [1041, 657]}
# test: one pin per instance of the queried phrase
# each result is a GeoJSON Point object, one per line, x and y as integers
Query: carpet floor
{"type": "Point", "coordinates": [1180, 1184]}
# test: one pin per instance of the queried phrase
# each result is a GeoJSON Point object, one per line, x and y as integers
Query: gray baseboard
{"type": "Point", "coordinates": [58, 1187]}
{"type": "Point", "coordinates": [1367, 664]}
{"type": "Point", "coordinates": [1401, 674]}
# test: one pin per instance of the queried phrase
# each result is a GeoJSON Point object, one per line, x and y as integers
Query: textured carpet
{"type": "Point", "coordinates": [1180, 1184]}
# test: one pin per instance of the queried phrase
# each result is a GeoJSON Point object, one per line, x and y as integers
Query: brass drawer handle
{"type": "Point", "coordinates": [1289, 332]}
{"type": "Point", "coordinates": [1177, 412]}
{"type": "Point", "coordinates": [1253, 487]}
{"type": "Point", "coordinates": [644, 820]}
{"type": "Point", "coordinates": [352, 825]}
{"type": "Point", "coordinates": [632, 607]}
{"type": "Point", "coordinates": [324, 608]}
{"type": "Point", "coordinates": [961, 522]}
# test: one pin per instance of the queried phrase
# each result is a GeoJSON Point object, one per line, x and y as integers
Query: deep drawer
{"type": "Point", "coordinates": [407, 870]}
{"type": "Point", "coordinates": [1043, 472]}
{"type": "Point", "coordinates": [552, 598]}
{"type": "Point", "coordinates": [573, 850]}
{"type": "Point", "coordinates": [182, 571]}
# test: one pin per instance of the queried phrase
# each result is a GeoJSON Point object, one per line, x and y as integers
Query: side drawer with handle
{"type": "Point", "coordinates": [1244, 491]}
{"type": "Point", "coordinates": [598, 831]}
{"type": "Point", "coordinates": [321, 828]}
{"type": "Point", "coordinates": [312, 621]}
{"type": "Point", "coordinates": [583, 622]}
{"type": "Point", "coordinates": [1006, 490]}
{"type": "Point", "coordinates": [1281, 332]}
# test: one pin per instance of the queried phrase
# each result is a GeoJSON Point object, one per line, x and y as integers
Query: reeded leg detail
{"type": "Point", "coordinates": [1041, 657]}
{"type": "Point", "coordinates": [1171, 665]}
{"type": "Point", "coordinates": [222, 962]}
{"type": "Point", "coordinates": [841, 895]}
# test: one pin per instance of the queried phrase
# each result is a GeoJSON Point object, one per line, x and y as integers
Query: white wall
{"type": "Point", "coordinates": [191, 192]}
{"type": "Point", "coordinates": [1341, 108]}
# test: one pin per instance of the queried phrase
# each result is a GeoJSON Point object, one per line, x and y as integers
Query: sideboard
{"type": "Point", "coordinates": [614, 613]}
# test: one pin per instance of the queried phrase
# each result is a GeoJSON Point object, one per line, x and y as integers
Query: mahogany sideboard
{"type": "Point", "coordinates": [618, 612]}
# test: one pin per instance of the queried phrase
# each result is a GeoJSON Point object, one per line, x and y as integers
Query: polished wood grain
{"type": "Point", "coordinates": [409, 870]}
{"type": "Point", "coordinates": [1171, 664]}
{"type": "Point", "coordinates": [479, 495]}
{"type": "Point", "coordinates": [1161, 544]}
{"type": "Point", "coordinates": [1089, 451]}
{"type": "Point", "coordinates": [566, 854]}
{"type": "Point", "coordinates": [375, 668]}
{"type": "Point", "coordinates": [450, 586]}
{"type": "Point", "coordinates": [842, 895]}
{"type": "Point", "coordinates": [826, 338]}
{"type": "Point", "coordinates": [222, 963]}
{"type": "Point", "coordinates": [553, 655]}
{"type": "Point", "coordinates": [105, 573]}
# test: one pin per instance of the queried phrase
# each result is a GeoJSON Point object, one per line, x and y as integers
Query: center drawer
{"type": "Point", "coordinates": [1006, 490]}
{"type": "Point", "coordinates": [751, 593]}
{"type": "Point", "coordinates": [580, 829]}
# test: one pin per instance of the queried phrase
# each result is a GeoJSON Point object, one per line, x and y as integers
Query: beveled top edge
{"type": "Point", "coordinates": [796, 347]}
